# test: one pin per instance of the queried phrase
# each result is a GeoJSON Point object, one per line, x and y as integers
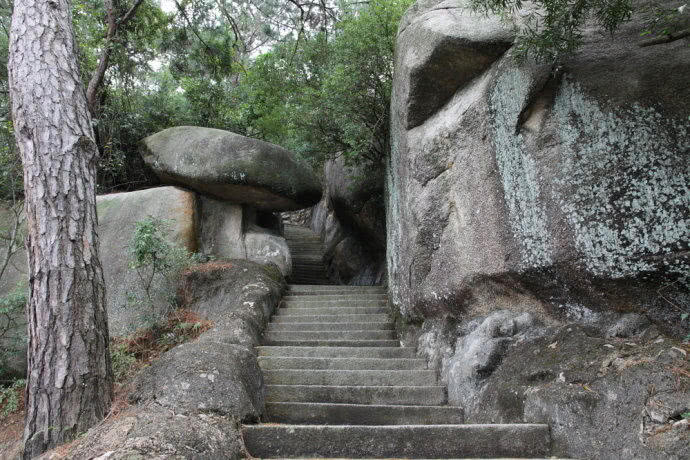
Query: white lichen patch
{"type": "Point", "coordinates": [518, 169]}
{"type": "Point", "coordinates": [624, 184]}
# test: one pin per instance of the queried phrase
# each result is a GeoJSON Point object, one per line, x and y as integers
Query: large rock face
{"type": "Point", "coordinates": [231, 167]}
{"type": "Point", "coordinates": [538, 223]}
{"type": "Point", "coordinates": [117, 215]}
{"type": "Point", "coordinates": [230, 231]}
{"type": "Point", "coordinates": [572, 180]}
{"type": "Point", "coordinates": [351, 221]}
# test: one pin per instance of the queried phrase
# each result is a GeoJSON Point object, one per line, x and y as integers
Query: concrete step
{"type": "Point", "coordinates": [329, 335]}
{"type": "Point", "coordinates": [349, 377]}
{"type": "Point", "coordinates": [398, 441]}
{"type": "Point", "coordinates": [393, 395]}
{"type": "Point", "coordinates": [331, 311]}
{"type": "Point", "coordinates": [320, 297]}
{"type": "Point", "coordinates": [395, 352]}
{"type": "Point", "coordinates": [306, 273]}
{"type": "Point", "coordinates": [311, 289]}
{"type": "Point", "coordinates": [358, 414]}
{"type": "Point", "coordinates": [309, 274]}
{"type": "Point", "coordinates": [337, 318]}
{"type": "Point", "coordinates": [312, 280]}
{"type": "Point", "coordinates": [344, 302]}
{"type": "Point", "coordinates": [382, 326]}
{"type": "Point", "coordinates": [329, 290]}
{"type": "Point", "coordinates": [286, 362]}
{"type": "Point", "coordinates": [330, 343]}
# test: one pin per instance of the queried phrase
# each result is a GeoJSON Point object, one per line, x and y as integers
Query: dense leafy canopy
{"type": "Point", "coordinates": [314, 77]}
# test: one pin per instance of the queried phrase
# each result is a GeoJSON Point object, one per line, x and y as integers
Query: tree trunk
{"type": "Point", "coordinates": [69, 384]}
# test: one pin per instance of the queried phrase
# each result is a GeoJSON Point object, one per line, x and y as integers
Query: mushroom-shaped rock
{"type": "Point", "coordinates": [231, 167]}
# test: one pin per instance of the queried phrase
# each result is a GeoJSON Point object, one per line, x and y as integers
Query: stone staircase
{"type": "Point", "coordinates": [339, 385]}
{"type": "Point", "coordinates": [306, 250]}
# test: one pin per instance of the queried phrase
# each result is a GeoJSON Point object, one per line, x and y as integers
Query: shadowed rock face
{"type": "Point", "coordinates": [570, 183]}
{"type": "Point", "coordinates": [231, 167]}
{"type": "Point", "coordinates": [440, 50]}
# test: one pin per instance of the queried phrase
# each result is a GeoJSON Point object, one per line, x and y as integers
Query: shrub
{"type": "Point", "coordinates": [159, 264]}
{"type": "Point", "coordinates": [11, 399]}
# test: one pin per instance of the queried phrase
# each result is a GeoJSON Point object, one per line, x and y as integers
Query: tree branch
{"type": "Point", "coordinates": [114, 26]}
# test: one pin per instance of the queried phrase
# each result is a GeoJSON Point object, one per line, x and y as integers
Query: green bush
{"type": "Point", "coordinates": [122, 361]}
{"type": "Point", "coordinates": [158, 264]}
{"type": "Point", "coordinates": [11, 397]}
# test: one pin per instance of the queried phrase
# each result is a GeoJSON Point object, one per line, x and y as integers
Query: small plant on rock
{"type": "Point", "coordinates": [158, 264]}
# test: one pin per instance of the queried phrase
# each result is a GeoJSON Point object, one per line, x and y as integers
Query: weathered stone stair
{"type": "Point", "coordinates": [306, 250]}
{"type": "Point", "coordinates": [340, 385]}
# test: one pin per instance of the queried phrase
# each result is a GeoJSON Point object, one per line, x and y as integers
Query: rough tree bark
{"type": "Point", "coordinates": [69, 384]}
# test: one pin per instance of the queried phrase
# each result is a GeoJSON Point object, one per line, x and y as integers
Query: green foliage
{"type": "Point", "coordinates": [122, 361]}
{"type": "Point", "coordinates": [158, 264]}
{"type": "Point", "coordinates": [12, 339]}
{"type": "Point", "coordinates": [11, 397]}
{"type": "Point", "coordinates": [550, 29]}
{"type": "Point", "coordinates": [11, 172]}
{"type": "Point", "coordinates": [327, 94]}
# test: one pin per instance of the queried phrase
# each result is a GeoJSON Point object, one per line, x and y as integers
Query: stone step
{"type": "Point", "coordinates": [359, 414]}
{"type": "Point", "coordinates": [329, 335]}
{"type": "Point", "coordinates": [344, 302]}
{"type": "Point", "coordinates": [310, 272]}
{"type": "Point", "coordinates": [349, 377]}
{"type": "Point", "coordinates": [323, 281]}
{"type": "Point", "coordinates": [309, 289]}
{"type": "Point", "coordinates": [338, 318]}
{"type": "Point", "coordinates": [287, 362]}
{"type": "Point", "coordinates": [331, 311]}
{"type": "Point", "coordinates": [397, 441]}
{"type": "Point", "coordinates": [319, 297]}
{"type": "Point", "coordinates": [393, 395]}
{"type": "Point", "coordinates": [330, 291]}
{"type": "Point", "coordinates": [330, 343]}
{"type": "Point", "coordinates": [382, 326]}
{"type": "Point", "coordinates": [394, 352]}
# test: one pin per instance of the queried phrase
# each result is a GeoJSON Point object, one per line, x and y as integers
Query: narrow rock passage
{"type": "Point", "coordinates": [338, 384]}
{"type": "Point", "coordinates": [306, 250]}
